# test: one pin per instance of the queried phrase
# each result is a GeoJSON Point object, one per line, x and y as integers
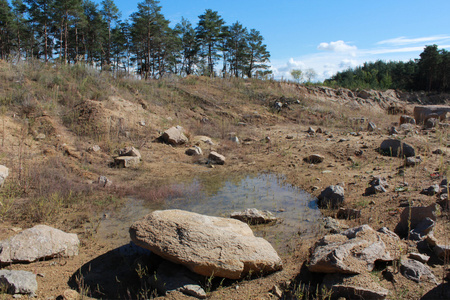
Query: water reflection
{"type": "Point", "coordinates": [297, 210]}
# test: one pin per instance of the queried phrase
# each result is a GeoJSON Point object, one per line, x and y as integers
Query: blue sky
{"type": "Point", "coordinates": [326, 35]}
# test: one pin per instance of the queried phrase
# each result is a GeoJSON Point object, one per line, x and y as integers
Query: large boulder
{"type": "Point", "coordinates": [205, 245]}
{"type": "Point", "coordinates": [413, 216]}
{"type": "Point", "coordinates": [353, 251]}
{"type": "Point", "coordinates": [39, 242]}
{"type": "Point", "coordinates": [332, 196]}
{"type": "Point", "coordinates": [396, 148]}
{"type": "Point", "coordinates": [18, 282]}
{"type": "Point", "coordinates": [4, 172]}
{"type": "Point", "coordinates": [423, 112]}
{"type": "Point", "coordinates": [174, 136]}
{"type": "Point", "coordinates": [415, 270]}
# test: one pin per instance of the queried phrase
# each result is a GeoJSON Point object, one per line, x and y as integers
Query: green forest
{"type": "Point", "coordinates": [73, 31]}
{"type": "Point", "coordinates": [431, 72]}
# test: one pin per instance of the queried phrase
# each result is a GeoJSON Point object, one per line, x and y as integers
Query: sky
{"type": "Point", "coordinates": [325, 35]}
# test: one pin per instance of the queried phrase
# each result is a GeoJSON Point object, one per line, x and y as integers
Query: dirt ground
{"type": "Point", "coordinates": [276, 142]}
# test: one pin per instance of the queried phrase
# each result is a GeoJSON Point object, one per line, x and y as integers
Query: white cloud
{"type": "Point", "coordinates": [338, 46]}
{"type": "Point", "coordinates": [405, 41]}
{"type": "Point", "coordinates": [348, 63]}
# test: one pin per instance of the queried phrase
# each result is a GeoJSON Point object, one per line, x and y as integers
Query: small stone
{"type": "Point", "coordinates": [412, 161]}
{"type": "Point", "coordinates": [371, 126]}
{"type": "Point", "coordinates": [314, 159]}
{"type": "Point", "coordinates": [216, 158]}
{"type": "Point", "coordinates": [103, 181]}
{"type": "Point", "coordinates": [431, 191]}
{"type": "Point", "coordinates": [40, 137]}
{"type": "Point", "coordinates": [194, 151]}
{"type": "Point", "coordinates": [438, 151]}
{"type": "Point", "coordinates": [310, 130]}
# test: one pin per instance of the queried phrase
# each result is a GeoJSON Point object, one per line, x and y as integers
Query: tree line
{"type": "Point", "coordinates": [73, 31]}
{"type": "Point", "coordinates": [431, 72]}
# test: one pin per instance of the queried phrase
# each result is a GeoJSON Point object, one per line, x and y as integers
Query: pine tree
{"type": "Point", "coordinates": [20, 26]}
{"type": "Point", "coordinates": [111, 14]}
{"type": "Point", "coordinates": [189, 46]}
{"type": "Point", "coordinates": [147, 30]}
{"type": "Point", "coordinates": [208, 33]}
{"type": "Point", "coordinates": [42, 19]}
{"type": "Point", "coordinates": [237, 49]}
{"type": "Point", "coordinates": [6, 21]}
{"type": "Point", "coordinates": [91, 37]}
{"type": "Point", "coordinates": [258, 57]}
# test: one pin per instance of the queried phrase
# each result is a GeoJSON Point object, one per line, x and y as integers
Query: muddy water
{"type": "Point", "coordinates": [296, 210]}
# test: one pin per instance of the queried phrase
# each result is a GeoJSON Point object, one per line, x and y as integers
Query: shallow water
{"type": "Point", "coordinates": [295, 209]}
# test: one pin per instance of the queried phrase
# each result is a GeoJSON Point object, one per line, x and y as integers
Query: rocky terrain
{"type": "Point", "coordinates": [77, 148]}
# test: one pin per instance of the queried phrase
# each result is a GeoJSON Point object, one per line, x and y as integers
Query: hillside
{"type": "Point", "coordinates": [62, 127]}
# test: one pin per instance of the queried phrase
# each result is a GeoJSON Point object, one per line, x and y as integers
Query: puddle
{"type": "Point", "coordinates": [296, 210]}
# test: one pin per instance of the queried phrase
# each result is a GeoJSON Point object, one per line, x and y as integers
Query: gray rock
{"type": "Point", "coordinates": [174, 136]}
{"type": "Point", "coordinates": [349, 287]}
{"type": "Point", "coordinates": [254, 216]}
{"type": "Point", "coordinates": [216, 158]}
{"type": "Point", "coordinates": [129, 151]}
{"type": "Point", "coordinates": [311, 130]}
{"type": "Point", "coordinates": [39, 242]}
{"type": "Point", "coordinates": [423, 112]}
{"type": "Point", "coordinates": [419, 257]}
{"type": "Point", "coordinates": [371, 126]}
{"type": "Point", "coordinates": [412, 216]}
{"type": "Point", "coordinates": [205, 245]}
{"type": "Point", "coordinates": [333, 225]}
{"type": "Point", "coordinates": [172, 277]}
{"type": "Point", "coordinates": [103, 181]}
{"type": "Point", "coordinates": [414, 270]}
{"type": "Point", "coordinates": [376, 185]}
{"type": "Point", "coordinates": [442, 251]}
{"type": "Point", "coordinates": [94, 148]}
{"type": "Point", "coordinates": [354, 251]}
{"type": "Point", "coordinates": [18, 282]}
{"type": "Point", "coordinates": [126, 161]}
{"type": "Point", "coordinates": [4, 172]}
{"type": "Point", "coordinates": [431, 190]}
{"type": "Point", "coordinates": [407, 127]}
{"type": "Point", "coordinates": [392, 131]}
{"type": "Point", "coordinates": [396, 148]}
{"type": "Point", "coordinates": [194, 151]}
{"type": "Point", "coordinates": [234, 139]}
{"type": "Point", "coordinates": [431, 123]}
{"type": "Point", "coordinates": [422, 229]}
{"type": "Point", "coordinates": [412, 161]}
{"type": "Point", "coordinates": [332, 196]}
